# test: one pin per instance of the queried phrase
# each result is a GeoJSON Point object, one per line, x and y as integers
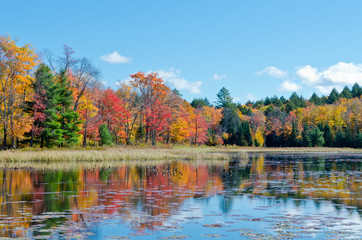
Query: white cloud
{"type": "Point", "coordinates": [172, 76]}
{"type": "Point", "coordinates": [336, 76]}
{"type": "Point", "coordinates": [289, 86]}
{"type": "Point", "coordinates": [344, 73]}
{"type": "Point", "coordinates": [309, 75]}
{"type": "Point", "coordinates": [218, 77]}
{"type": "Point", "coordinates": [237, 99]}
{"type": "Point", "coordinates": [273, 71]}
{"type": "Point", "coordinates": [115, 58]}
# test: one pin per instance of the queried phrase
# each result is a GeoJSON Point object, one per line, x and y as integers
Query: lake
{"type": "Point", "coordinates": [272, 196]}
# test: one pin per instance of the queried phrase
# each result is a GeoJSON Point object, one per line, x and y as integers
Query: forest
{"type": "Point", "coordinates": [61, 102]}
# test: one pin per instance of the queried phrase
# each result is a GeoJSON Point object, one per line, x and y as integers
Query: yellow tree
{"type": "Point", "coordinates": [87, 112]}
{"type": "Point", "coordinates": [16, 65]}
{"type": "Point", "coordinates": [126, 93]}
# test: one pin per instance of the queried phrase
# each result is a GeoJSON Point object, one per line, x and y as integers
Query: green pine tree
{"type": "Point", "coordinates": [333, 96]}
{"type": "Point", "coordinates": [339, 140]}
{"type": "Point", "coordinates": [224, 99]}
{"type": "Point", "coordinates": [328, 138]}
{"type": "Point", "coordinates": [357, 143]}
{"type": "Point", "coordinates": [61, 125]}
{"type": "Point", "coordinates": [293, 138]}
{"type": "Point", "coordinates": [315, 100]}
{"type": "Point", "coordinates": [356, 90]}
{"type": "Point", "coordinates": [346, 93]}
{"type": "Point", "coordinates": [306, 141]}
{"type": "Point", "coordinates": [105, 135]}
{"type": "Point", "coordinates": [316, 137]}
{"type": "Point", "coordinates": [68, 118]}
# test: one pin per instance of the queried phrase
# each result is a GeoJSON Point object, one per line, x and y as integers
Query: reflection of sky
{"type": "Point", "coordinates": [194, 213]}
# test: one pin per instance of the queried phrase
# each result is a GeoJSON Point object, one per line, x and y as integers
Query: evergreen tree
{"type": "Point", "coordinates": [290, 106]}
{"type": "Point", "coordinates": [229, 124]}
{"type": "Point", "coordinates": [276, 101]}
{"type": "Point", "coordinates": [224, 99]}
{"type": "Point", "coordinates": [306, 141]}
{"type": "Point", "coordinates": [356, 90]}
{"type": "Point", "coordinates": [333, 96]}
{"type": "Point", "coordinates": [324, 100]}
{"type": "Point", "coordinates": [61, 126]}
{"type": "Point", "coordinates": [346, 93]}
{"type": "Point", "coordinates": [328, 138]}
{"type": "Point", "coordinates": [244, 135]}
{"type": "Point", "coordinates": [298, 101]}
{"type": "Point", "coordinates": [293, 138]}
{"type": "Point", "coordinates": [267, 101]}
{"type": "Point", "coordinates": [315, 100]}
{"type": "Point", "coordinates": [43, 81]}
{"type": "Point", "coordinates": [200, 102]}
{"type": "Point", "coordinates": [316, 137]}
{"type": "Point", "coordinates": [357, 143]}
{"type": "Point", "coordinates": [269, 111]}
{"type": "Point", "coordinates": [283, 100]}
{"type": "Point", "coordinates": [69, 119]}
{"type": "Point", "coordinates": [339, 140]}
{"type": "Point", "coordinates": [105, 135]}
{"type": "Point", "coordinates": [176, 92]}
{"type": "Point", "coordinates": [247, 134]}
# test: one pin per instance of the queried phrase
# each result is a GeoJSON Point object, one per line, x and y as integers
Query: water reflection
{"type": "Point", "coordinates": [165, 197]}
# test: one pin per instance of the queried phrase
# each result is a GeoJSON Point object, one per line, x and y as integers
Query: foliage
{"type": "Point", "coordinates": [105, 135]}
{"type": "Point", "coordinates": [55, 105]}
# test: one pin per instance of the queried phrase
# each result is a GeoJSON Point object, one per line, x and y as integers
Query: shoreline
{"type": "Point", "coordinates": [146, 156]}
{"type": "Point", "coordinates": [156, 153]}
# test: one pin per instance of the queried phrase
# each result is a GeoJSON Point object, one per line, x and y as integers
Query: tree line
{"type": "Point", "coordinates": [63, 104]}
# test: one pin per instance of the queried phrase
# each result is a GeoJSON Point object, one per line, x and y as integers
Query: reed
{"type": "Point", "coordinates": [121, 154]}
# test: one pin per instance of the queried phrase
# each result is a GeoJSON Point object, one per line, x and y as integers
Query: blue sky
{"type": "Point", "coordinates": [253, 48]}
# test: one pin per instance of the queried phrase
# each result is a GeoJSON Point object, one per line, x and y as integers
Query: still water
{"type": "Point", "coordinates": [273, 196]}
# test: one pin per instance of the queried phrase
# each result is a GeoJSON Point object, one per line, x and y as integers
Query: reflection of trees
{"type": "Point", "coordinates": [320, 177]}
{"type": "Point", "coordinates": [232, 176]}
{"type": "Point", "coordinates": [145, 197]}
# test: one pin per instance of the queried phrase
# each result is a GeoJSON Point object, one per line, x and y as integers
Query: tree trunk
{"type": "Point", "coordinates": [5, 139]}
{"type": "Point", "coordinates": [147, 134]}
{"type": "Point", "coordinates": [85, 129]}
{"type": "Point", "coordinates": [154, 137]}
{"type": "Point", "coordinates": [32, 138]}
{"type": "Point", "coordinates": [13, 143]}
{"type": "Point", "coordinates": [41, 142]}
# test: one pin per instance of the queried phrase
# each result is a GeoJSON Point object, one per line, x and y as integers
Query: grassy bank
{"type": "Point", "coordinates": [117, 155]}
{"type": "Point", "coordinates": [122, 154]}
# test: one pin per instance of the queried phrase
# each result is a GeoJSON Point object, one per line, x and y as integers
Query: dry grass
{"type": "Point", "coordinates": [105, 165]}
{"type": "Point", "coordinates": [121, 154]}
{"type": "Point", "coordinates": [116, 156]}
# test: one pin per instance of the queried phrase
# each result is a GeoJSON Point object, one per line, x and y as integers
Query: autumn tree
{"type": "Point", "coordinates": [130, 99]}
{"type": "Point", "coordinates": [113, 114]}
{"type": "Point", "coordinates": [16, 66]}
{"type": "Point", "coordinates": [199, 127]}
{"type": "Point", "coordinates": [152, 94]}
